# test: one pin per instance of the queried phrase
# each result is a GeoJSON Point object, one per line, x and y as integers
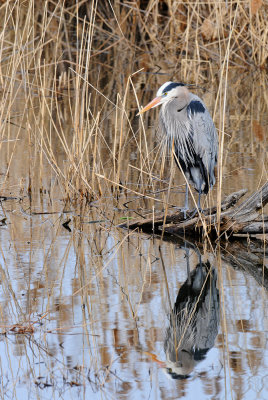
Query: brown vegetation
{"type": "Point", "coordinates": [73, 73]}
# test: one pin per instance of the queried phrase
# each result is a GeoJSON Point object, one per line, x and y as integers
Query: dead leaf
{"type": "Point", "coordinates": [208, 29]}
{"type": "Point", "coordinates": [255, 5]}
{"type": "Point", "coordinates": [258, 130]}
{"type": "Point", "coordinates": [21, 330]}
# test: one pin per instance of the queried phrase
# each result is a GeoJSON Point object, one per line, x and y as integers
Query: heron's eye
{"type": "Point", "coordinates": [165, 94]}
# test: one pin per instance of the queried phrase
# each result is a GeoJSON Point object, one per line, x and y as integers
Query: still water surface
{"type": "Point", "coordinates": [113, 339]}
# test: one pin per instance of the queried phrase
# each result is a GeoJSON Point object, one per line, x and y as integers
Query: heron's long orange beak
{"type": "Point", "coordinates": [155, 102]}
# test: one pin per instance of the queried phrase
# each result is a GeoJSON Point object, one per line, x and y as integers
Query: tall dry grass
{"type": "Point", "coordinates": [73, 72]}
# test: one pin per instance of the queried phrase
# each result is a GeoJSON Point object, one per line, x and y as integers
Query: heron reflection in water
{"type": "Point", "coordinates": [193, 322]}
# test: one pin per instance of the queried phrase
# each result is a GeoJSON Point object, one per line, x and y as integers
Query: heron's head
{"type": "Point", "coordinates": [166, 93]}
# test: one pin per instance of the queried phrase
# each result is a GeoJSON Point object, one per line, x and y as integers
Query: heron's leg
{"type": "Point", "coordinates": [186, 206]}
{"type": "Point", "coordinates": [186, 203]}
{"type": "Point", "coordinates": [199, 200]}
{"type": "Point", "coordinates": [198, 205]}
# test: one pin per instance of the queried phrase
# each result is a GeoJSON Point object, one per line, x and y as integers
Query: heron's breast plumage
{"type": "Point", "coordinates": [178, 135]}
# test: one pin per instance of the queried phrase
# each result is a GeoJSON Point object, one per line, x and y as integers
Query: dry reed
{"type": "Point", "coordinates": [69, 82]}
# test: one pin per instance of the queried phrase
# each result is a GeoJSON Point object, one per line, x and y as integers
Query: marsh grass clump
{"type": "Point", "coordinates": [72, 75]}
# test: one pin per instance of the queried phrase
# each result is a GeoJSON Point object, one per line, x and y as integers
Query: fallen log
{"type": "Point", "coordinates": [244, 218]}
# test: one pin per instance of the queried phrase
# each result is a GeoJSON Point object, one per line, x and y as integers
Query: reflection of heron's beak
{"type": "Point", "coordinates": [162, 364]}
{"type": "Point", "coordinates": [155, 102]}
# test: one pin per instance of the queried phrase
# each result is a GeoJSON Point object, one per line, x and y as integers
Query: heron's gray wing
{"type": "Point", "coordinates": [207, 316]}
{"type": "Point", "coordinates": [204, 137]}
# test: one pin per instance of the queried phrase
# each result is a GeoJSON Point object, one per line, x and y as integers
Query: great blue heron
{"type": "Point", "coordinates": [189, 130]}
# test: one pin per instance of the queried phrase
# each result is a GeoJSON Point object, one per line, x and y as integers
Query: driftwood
{"type": "Point", "coordinates": [245, 218]}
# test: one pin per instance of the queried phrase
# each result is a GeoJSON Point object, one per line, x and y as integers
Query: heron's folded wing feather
{"type": "Point", "coordinates": [205, 140]}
